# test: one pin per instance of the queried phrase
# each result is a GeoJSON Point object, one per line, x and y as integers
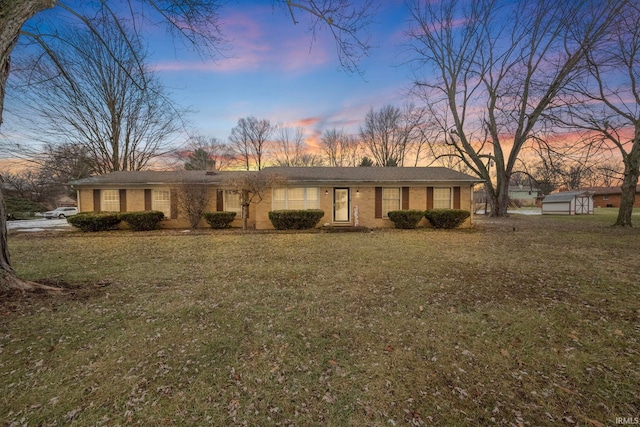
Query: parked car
{"type": "Point", "coordinates": [61, 213]}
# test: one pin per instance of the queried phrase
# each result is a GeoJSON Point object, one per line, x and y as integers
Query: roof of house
{"type": "Point", "coordinates": [565, 196]}
{"type": "Point", "coordinates": [372, 174]}
{"type": "Point", "coordinates": [291, 174]}
{"type": "Point", "coordinates": [154, 177]}
{"type": "Point", "coordinates": [607, 190]}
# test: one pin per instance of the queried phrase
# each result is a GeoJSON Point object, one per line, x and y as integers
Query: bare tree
{"type": "Point", "coordinates": [309, 160]}
{"type": "Point", "coordinates": [610, 174]}
{"type": "Point", "coordinates": [519, 179]}
{"type": "Point", "coordinates": [291, 150]}
{"type": "Point", "coordinates": [97, 92]}
{"type": "Point", "coordinates": [573, 166]}
{"type": "Point", "coordinates": [48, 175]}
{"type": "Point", "coordinates": [193, 21]}
{"type": "Point", "coordinates": [498, 67]}
{"type": "Point", "coordinates": [251, 140]}
{"type": "Point", "coordinates": [193, 199]}
{"type": "Point", "coordinates": [65, 162]}
{"type": "Point", "coordinates": [289, 145]}
{"type": "Point", "coordinates": [345, 22]}
{"type": "Point", "coordinates": [29, 185]}
{"type": "Point", "coordinates": [546, 174]}
{"type": "Point", "coordinates": [251, 188]}
{"type": "Point", "coordinates": [607, 100]}
{"type": "Point", "coordinates": [389, 134]}
{"type": "Point", "coordinates": [340, 149]}
{"type": "Point", "coordinates": [423, 131]}
{"type": "Point", "coordinates": [442, 153]}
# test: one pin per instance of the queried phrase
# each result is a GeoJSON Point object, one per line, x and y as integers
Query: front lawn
{"type": "Point", "coordinates": [529, 321]}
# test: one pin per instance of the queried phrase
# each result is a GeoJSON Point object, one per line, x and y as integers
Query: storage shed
{"type": "Point", "coordinates": [568, 203]}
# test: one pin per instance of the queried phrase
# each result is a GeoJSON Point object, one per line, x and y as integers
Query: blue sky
{"type": "Point", "coordinates": [275, 70]}
{"type": "Point", "coordinates": [272, 69]}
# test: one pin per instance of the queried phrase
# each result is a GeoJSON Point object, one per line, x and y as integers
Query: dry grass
{"type": "Point", "coordinates": [537, 326]}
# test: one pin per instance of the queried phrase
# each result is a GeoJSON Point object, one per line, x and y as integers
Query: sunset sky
{"type": "Point", "coordinates": [275, 70]}
{"type": "Point", "coordinates": [270, 68]}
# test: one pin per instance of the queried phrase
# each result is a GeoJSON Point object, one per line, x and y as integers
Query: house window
{"type": "Point", "coordinates": [161, 201]}
{"type": "Point", "coordinates": [279, 201]}
{"type": "Point", "coordinates": [390, 200]}
{"type": "Point", "coordinates": [442, 198]}
{"type": "Point", "coordinates": [110, 200]}
{"type": "Point", "coordinates": [232, 201]}
{"type": "Point", "coordinates": [295, 198]}
{"type": "Point", "coordinates": [605, 197]}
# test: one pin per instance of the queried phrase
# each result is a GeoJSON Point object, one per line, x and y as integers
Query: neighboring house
{"type": "Point", "coordinates": [65, 201]}
{"type": "Point", "coordinates": [609, 197]}
{"type": "Point", "coordinates": [524, 196]}
{"type": "Point", "coordinates": [576, 202]}
{"type": "Point", "coordinates": [348, 196]}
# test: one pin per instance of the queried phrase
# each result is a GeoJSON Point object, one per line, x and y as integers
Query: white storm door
{"type": "Point", "coordinates": [341, 204]}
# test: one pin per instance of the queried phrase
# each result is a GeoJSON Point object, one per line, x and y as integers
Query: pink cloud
{"type": "Point", "coordinates": [313, 141]}
{"type": "Point", "coordinates": [307, 122]}
{"type": "Point", "coordinates": [261, 40]}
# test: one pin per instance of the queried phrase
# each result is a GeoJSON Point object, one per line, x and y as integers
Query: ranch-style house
{"type": "Point", "coordinates": [349, 196]}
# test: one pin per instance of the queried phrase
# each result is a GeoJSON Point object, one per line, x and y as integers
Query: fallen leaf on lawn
{"type": "Point", "coordinates": [567, 390]}
{"type": "Point", "coordinates": [595, 423]}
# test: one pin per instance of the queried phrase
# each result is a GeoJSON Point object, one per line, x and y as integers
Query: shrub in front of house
{"type": "Point", "coordinates": [295, 219]}
{"type": "Point", "coordinates": [407, 219]}
{"type": "Point", "coordinates": [143, 220]}
{"type": "Point", "coordinates": [446, 218]}
{"type": "Point", "coordinates": [95, 221]}
{"type": "Point", "coordinates": [219, 220]}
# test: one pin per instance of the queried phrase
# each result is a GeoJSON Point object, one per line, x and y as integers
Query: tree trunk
{"type": "Point", "coordinates": [5, 260]}
{"type": "Point", "coordinates": [245, 216]}
{"type": "Point", "coordinates": [13, 15]}
{"type": "Point", "coordinates": [500, 199]}
{"type": "Point", "coordinates": [629, 184]}
{"type": "Point", "coordinates": [499, 204]}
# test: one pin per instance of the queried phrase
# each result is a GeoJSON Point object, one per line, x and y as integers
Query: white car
{"type": "Point", "coordinates": [61, 213]}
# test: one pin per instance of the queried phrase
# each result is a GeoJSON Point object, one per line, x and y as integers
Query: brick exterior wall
{"type": "Point", "coordinates": [612, 201]}
{"type": "Point", "coordinates": [361, 196]}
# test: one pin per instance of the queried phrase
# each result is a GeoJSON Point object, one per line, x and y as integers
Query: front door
{"type": "Point", "coordinates": [341, 205]}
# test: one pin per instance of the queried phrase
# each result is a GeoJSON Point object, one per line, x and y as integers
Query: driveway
{"type": "Point", "coordinates": [40, 224]}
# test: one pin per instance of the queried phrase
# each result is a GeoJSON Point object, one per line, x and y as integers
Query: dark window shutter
{"type": "Point", "coordinates": [147, 200]}
{"type": "Point", "coordinates": [378, 203]}
{"type": "Point", "coordinates": [405, 198]}
{"type": "Point", "coordinates": [456, 197]}
{"type": "Point", "coordinates": [123, 200]}
{"type": "Point", "coordinates": [96, 200]}
{"type": "Point", "coordinates": [429, 197]}
{"type": "Point", "coordinates": [174, 203]}
{"type": "Point", "coordinates": [219, 200]}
